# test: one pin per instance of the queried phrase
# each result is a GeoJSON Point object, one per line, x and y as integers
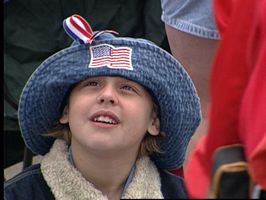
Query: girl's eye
{"type": "Point", "coordinates": [128, 88]}
{"type": "Point", "coordinates": [92, 83]}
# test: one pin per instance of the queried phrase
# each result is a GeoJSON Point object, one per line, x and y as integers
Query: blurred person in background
{"type": "Point", "coordinates": [238, 96]}
{"type": "Point", "coordinates": [193, 39]}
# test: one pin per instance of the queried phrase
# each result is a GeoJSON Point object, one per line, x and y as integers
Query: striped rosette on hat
{"type": "Point", "coordinates": [79, 29]}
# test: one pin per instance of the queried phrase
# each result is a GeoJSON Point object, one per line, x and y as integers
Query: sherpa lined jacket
{"type": "Point", "coordinates": [30, 185]}
{"type": "Point", "coordinates": [56, 178]}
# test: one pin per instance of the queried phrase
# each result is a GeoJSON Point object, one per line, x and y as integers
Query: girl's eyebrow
{"type": "Point", "coordinates": [133, 83]}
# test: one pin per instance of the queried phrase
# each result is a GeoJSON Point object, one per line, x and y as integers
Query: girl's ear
{"type": "Point", "coordinates": [64, 117]}
{"type": "Point", "coordinates": [154, 128]}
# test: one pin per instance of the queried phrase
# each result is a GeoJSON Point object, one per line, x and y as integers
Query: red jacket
{"type": "Point", "coordinates": [238, 93]}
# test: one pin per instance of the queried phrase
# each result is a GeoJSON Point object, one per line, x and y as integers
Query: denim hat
{"type": "Point", "coordinates": [161, 74]}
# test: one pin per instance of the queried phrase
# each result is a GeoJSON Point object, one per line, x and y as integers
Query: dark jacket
{"type": "Point", "coordinates": [30, 184]}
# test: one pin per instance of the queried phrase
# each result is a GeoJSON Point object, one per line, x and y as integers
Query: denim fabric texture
{"type": "Point", "coordinates": [191, 16]}
{"type": "Point", "coordinates": [28, 185]}
{"type": "Point", "coordinates": [154, 68]}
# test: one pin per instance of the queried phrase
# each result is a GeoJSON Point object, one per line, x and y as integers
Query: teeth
{"type": "Point", "coordinates": [104, 119]}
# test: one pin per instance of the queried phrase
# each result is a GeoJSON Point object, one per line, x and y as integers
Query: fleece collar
{"type": "Point", "coordinates": [67, 183]}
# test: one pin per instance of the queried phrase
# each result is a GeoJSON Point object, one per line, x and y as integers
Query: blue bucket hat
{"type": "Point", "coordinates": [152, 67]}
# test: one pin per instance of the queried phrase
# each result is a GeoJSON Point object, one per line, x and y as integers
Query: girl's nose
{"type": "Point", "coordinates": [107, 96]}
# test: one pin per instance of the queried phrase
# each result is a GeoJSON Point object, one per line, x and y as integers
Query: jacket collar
{"type": "Point", "coordinates": [68, 183]}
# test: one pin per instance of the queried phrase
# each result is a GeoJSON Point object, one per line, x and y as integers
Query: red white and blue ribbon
{"type": "Point", "coordinates": [78, 29]}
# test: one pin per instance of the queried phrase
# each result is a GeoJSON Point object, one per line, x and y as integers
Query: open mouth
{"type": "Point", "coordinates": [105, 117]}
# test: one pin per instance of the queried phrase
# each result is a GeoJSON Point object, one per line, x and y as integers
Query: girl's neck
{"type": "Point", "coordinates": [106, 172]}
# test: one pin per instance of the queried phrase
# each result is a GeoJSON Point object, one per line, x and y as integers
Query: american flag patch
{"type": "Point", "coordinates": [110, 56]}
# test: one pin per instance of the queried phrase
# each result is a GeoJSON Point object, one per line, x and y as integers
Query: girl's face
{"type": "Point", "coordinates": [109, 115]}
